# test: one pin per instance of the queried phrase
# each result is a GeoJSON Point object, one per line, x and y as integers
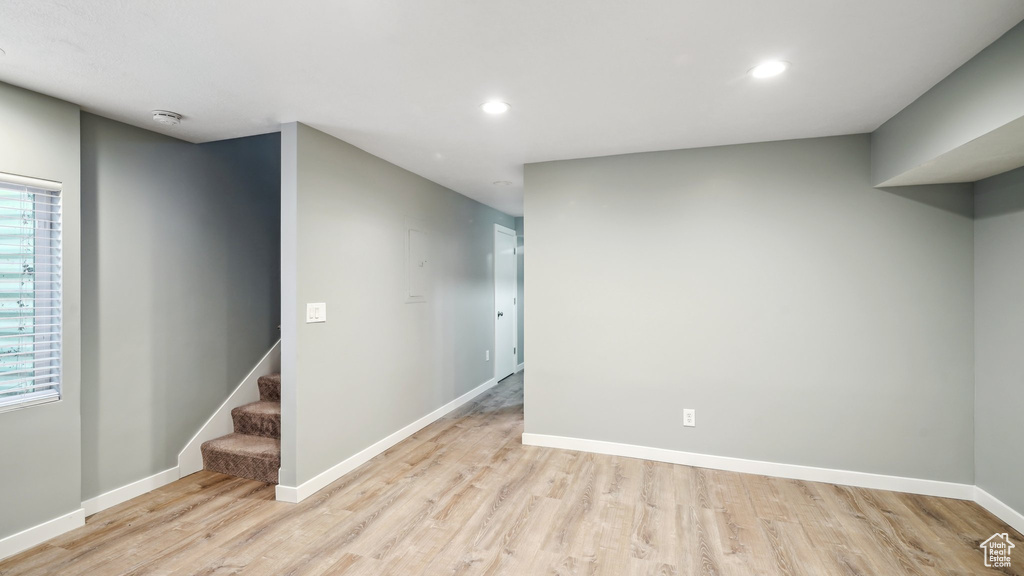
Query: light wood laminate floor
{"type": "Point", "coordinates": [465, 497]}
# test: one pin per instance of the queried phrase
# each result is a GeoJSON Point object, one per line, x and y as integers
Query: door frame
{"type": "Point", "coordinates": [506, 231]}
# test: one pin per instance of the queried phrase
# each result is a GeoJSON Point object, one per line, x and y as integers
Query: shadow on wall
{"type": "Point", "coordinates": [521, 356]}
{"type": "Point", "coordinates": [1001, 195]}
{"type": "Point", "coordinates": [954, 198]}
{"type": "Point", "coordinates": [90, 403]}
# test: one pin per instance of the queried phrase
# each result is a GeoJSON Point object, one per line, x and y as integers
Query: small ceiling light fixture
{"type": "Point", "coordinates": [502, 183]}
{"type": "Point", "coordinates": [769, 69]}
{"type": "Point", "coordinates": [495, 107]}
{"type": "Point", "coordinates": [167, 118]}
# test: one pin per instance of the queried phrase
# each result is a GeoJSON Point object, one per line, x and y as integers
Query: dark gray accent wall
{"type": "Point", "coordinates": [382, 360]}
{"type": "Point", "coordinates": [999, 340]}
{"type": "Point", "coordinates": [521, 261]}
{"type": "Point", "coordinates": [181, 289]}
{"type": "Point", "coordinates": [808, 317]}
{"type": "Point", "coordinates": [40, 455]}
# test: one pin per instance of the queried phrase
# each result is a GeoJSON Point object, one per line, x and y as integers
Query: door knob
{"type": "Point", "coordinates": [500, 314]}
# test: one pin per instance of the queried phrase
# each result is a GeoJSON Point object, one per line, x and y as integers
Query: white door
{"type": "Point", "coordinates": [504, 302]}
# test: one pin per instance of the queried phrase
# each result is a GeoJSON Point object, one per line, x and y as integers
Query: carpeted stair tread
{"type": "Point", "coordinates": [254, 449]}
{"type": "Point", "coordinates": [245, 456]}
{"type": "Point", "coordinates": [261, 418]}
{"type": "Point", "coordinates": [270, 387]}
{"type": "Point", "coordinates": [244, 444]}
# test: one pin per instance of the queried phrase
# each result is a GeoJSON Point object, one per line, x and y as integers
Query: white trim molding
{"type": "Point", "coordinates": [31, 182]}
{"type": "Point", "coordinates": [999, 509]}
{"type": "Point", "coordinates": [520, 367]}
{"type": "Point", "coordinates": [40, 533]}
{"type": "Point", "coordinates": [295, 494]}
{"type": "Point", "coordinates": [190, 460]}
{"type": "Point", "coordinates": [129, 491]}
{"type": "Point", "coordinates": [791, 471]}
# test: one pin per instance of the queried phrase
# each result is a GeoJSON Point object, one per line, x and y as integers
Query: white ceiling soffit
{"type": "Point", "coordinates": [404, 80]}
{"type": "Point", "coordinates": [998, 151]}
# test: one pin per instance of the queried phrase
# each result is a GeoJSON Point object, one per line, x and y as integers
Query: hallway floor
{"type": "Point", "coordinates": [465, 497]}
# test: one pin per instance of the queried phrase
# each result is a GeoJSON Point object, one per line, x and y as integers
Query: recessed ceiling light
{"type": "Point", "coordinates": [495, 107]}
{"type": "Point", "coordinates": [769, 69]}
{"type": "Point", "coordinates": [165, 117]}
{"type": "Point", "coordinates": [502, 183]}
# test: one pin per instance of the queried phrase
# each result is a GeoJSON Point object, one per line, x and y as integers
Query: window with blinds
{"type": "Point", "coordinates": [30, 291]}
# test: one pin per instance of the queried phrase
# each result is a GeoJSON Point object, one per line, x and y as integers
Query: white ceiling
{"type": "Point", "coordinates": [403, 80]}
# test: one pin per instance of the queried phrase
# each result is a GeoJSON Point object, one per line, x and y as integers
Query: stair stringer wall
{"type": "Point", "coordinates": [190, 460]}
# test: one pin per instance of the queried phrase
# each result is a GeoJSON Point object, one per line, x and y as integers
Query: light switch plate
{"type": "Point", "coordinates": [316, 312]}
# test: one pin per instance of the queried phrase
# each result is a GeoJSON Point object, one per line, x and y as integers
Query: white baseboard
{"type": "Point", "coordinates": [40, 533]}
{"type": "Point", "coordinates": [129, 491]}
{"type": "Point", "coordinates": [299, 493]}
{"type": "Point", "coordinates": [792, 471]}
{"type": "Point", "coordinates": [190, 460]}
{"type": "Point", "coordinates": [519, 368]}
{"type": "Point", "coordinates": [999, 509]}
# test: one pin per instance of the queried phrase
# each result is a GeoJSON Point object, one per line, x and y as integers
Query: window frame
{"type": "Point", "coordinates": [52, 258]}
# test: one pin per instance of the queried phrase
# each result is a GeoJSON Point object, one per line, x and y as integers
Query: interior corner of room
{"type": "Point", "coordinates": [842, 308]}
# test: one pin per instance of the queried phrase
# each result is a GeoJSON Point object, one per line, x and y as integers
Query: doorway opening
{"type": "Point", "coordinates": [506, 317]}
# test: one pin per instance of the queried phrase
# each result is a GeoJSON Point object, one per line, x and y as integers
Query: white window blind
{"type": "Point", "coordinates": [30, 291]}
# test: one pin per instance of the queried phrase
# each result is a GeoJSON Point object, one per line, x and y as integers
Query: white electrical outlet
{"type": "Point", "coordinates": [487, 355]}
{"type": "Point", "coordinates": [316, 313]}
{"type": "Point", "coordinates": [689, 417]}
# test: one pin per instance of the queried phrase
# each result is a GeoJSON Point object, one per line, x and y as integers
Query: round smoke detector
{"type": "Point", "coordinates": [165, 117]}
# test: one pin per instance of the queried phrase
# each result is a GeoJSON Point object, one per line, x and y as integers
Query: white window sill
{"type": "Point", "coordinates": [30, 399]}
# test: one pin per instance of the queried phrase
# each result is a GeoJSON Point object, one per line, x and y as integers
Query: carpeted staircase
{"type": "Point", "coordinates": [254, 450]}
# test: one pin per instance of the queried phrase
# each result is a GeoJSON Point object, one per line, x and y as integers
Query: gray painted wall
{"type": "Point", "coordinates": [999, 330]}
{"type": "Point", "coordinates": [378, 363]}
{"type": "Point", "coordinates": [980, 96]}
{"type": "Point", "coordinates": [521, 261]}
{"type": "Point", "coordinates": [808, 317]}
{"type": "Point", "coordinates": [181, 289]}
{"type": "Point", "coordinates": [41, 448]}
